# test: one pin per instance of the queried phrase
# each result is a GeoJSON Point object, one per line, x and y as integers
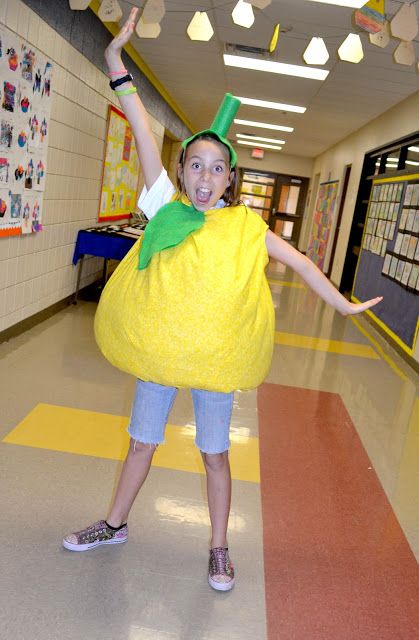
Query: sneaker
{"type": "Point", "coordinates": [95, 535]}
{"type": "Point", "coordinates": [220, 570]}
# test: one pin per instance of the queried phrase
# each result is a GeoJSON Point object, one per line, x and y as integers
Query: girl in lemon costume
{"type": "Point", "coordinates": [189, 306]}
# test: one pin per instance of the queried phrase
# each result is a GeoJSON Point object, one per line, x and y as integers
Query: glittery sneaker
{"type": "Point", "coordinates": [95, 535]}
{"type": "Point", "coordinates": [220, 570]}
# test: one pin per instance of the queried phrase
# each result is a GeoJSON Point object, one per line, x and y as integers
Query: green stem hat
{"type": "Point", "coordinates": [220, 125]}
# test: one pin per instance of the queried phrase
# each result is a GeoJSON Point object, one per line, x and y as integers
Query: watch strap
{"type": "Point", "coordinates": [116, 83]}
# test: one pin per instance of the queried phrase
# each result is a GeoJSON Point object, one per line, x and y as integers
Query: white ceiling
{"type": "Point", "coordinates": [195, 76]}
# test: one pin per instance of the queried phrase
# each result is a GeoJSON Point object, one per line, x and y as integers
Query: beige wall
{"type": "Point", "coordinates": [36, 269]}
{"type": "Point", "coordinates": [173, 161]}
{"type": "Point", "coordinates": [395, 123]}
{"type": "Point", "coordinates": [401, 120]}
{"type": "Point", "coordinates": [277, 162]}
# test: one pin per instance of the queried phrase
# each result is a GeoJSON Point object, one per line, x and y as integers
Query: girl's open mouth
{"type": "Point", "coordinates": [203, 195]}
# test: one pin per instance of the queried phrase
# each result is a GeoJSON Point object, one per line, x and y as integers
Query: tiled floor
{"type": "Point", "coordinates": [326, 550]}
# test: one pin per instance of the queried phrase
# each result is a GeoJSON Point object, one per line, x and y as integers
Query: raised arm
{"type": "Point", "coordinates": [316, 280]}
{"type": "Point", "coordinates": [133, 108]}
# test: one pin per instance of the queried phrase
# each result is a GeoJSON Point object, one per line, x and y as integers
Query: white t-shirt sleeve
{"type": "Point", "coordinates": [159, 194]}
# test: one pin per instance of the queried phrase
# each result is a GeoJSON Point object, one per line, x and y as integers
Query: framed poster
{"type": "Point", "coordinates": [25, 105]}
{"type": "Point", "coordinates": [121, 170]}
{"type": "Point", "coordinates": [322, 222]}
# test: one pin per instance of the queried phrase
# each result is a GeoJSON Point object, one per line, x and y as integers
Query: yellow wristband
{"type": "Point", "coordinates": [126, 92]}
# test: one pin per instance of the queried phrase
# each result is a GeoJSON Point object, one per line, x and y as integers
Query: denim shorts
{"type": "Point", "coordinates": [152, 405]}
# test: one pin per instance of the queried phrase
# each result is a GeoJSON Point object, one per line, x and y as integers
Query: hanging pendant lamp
{"type": "Point", "coordinates": [200, 27]}
{"type": "Point", "coordinates": [147, 29]}
{"type": "Point", "coordinates": [316, 52]}
{"type": "Point", "coordinates": [351, 49]}
{"type": "Point", "coordinates": [110, 11]}
{"type": "Point", "coordinates": [243, 15]}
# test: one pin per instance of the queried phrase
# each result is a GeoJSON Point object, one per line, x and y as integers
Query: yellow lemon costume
{"type": "Point", "coordinates": [200, 315]}
{"type": "Point", "coordinates": [197, 312]}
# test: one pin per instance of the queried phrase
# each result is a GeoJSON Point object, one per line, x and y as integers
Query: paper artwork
{"type": "Point", "coordinates": [25, 105]}
{"type": "Point", "coordinates": [322, 222]}
{"type": "Point", "coordinates": [121, 170]}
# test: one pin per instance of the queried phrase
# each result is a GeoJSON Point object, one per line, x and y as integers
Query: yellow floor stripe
{"type": "Point", "coordinates": [285, 283]}
{"type": "Point", "coordinates": [322, 344]}
{"type": "Point", "coordinates": [380, 350]}
{"type": "Point", "coordinates": [101, 435]}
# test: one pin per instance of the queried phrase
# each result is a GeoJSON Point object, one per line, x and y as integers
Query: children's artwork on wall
{"type": "Point", "coordinates": [322, 222]}
{"type": "Point", "coordinates": [388, 262]}
{"type": "Point", "coordinates": [121, 170]}
{"type": "Point", "coordinates": [25, 106]}
{"type": "Point", "coordinates": [4, 171]}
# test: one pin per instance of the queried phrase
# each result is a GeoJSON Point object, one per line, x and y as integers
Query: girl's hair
{"type": "Point", "coordinates": [231, 194]}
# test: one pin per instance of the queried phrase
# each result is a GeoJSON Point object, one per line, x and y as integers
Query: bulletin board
{"type": "Point", "coordinates": [25, 105]}
{"type": "Point", "coordinates": [388, 262]}
{"type": "Point", "coordinates": [121, 170]}
{"type": "Point", "coordinates": [322, 222]}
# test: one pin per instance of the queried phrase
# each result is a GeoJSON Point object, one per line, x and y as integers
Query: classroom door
{"type": "Point", "coordinates": [288, 210]}
{"type": "Point", "coordinates": [279, 199]}
{"type": "Point", "coordinates": [257, 190]}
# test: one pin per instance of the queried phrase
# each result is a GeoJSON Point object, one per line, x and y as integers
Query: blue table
{"type": "Point", "coordinates": [109, 245]}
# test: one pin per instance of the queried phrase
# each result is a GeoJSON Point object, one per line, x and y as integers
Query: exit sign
{"type": "Point", "coordinates": [258, 153]}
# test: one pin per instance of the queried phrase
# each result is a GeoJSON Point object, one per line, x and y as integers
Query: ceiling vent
{"type": "Point", "coordinates": [240, 49]}
{"type": "Point", "coordinates": [260, 52]}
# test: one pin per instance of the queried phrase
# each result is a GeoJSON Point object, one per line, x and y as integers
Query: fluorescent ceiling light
{"type": "Point", "coordinates": [416, 164]}
{"type": "Point", "coordinates": [257, 144]}
{"type": "Point", "coordinates": [354, 4]}
{"type": "Point", "coordinates": [272, 105]}
{"type": "Point", "coordinates": [415, 149]}
{"type": "Point", "coordinates": [256, 64]}
{"type": "Point", "coordinates": [264, 125]}
{"type": "Point", "coordinates": [248, 137]}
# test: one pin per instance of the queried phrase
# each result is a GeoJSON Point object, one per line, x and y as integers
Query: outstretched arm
{"type": "Point", "coordinates": [133, 108]}
{"type": "Point", "coordinates": [316, 280]}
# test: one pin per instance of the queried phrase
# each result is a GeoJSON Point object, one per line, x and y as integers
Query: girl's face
{"type": "Point", "coordinates": [206, 173]}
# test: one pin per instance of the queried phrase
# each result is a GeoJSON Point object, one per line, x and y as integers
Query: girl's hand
{"type": "Point", "coordinates": [114, 48]}
{"type": "Point", "coordinates": [353, 309]}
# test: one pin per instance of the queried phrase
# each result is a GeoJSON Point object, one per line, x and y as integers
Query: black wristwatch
{"type": "Point", "coordinates": [116, 83]}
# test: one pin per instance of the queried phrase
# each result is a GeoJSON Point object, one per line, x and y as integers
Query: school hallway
{"type": "Point", "coordinates": [324, 527]}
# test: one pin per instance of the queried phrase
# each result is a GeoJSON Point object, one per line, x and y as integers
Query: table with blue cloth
{"type": "Point", "coordinates": [109, 243]}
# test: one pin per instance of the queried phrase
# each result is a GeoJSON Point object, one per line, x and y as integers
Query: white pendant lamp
{"type": "Point", "coordinates": [405, 53]}
{"type": "Point", "coordinates": [316, 52]}
{"type": "Point", "coordinates": [153, 11]}
{"type": "Point", "coordinates": [243, 15]}
{"type": "Point", "coordinates": [404, 24]}
{"type": "Point", "coordinates": [147, 30]}
{"type": "Point", "coordinates": [382, 38]}
{"type": "Point", "coordinates": [351, 49]}
{"type": "Point", "coordinates": [110, 11]}
{"type": "Point", "coordinates": [200, 27]}
{"type": "Point", "coordinates": [79, 5]}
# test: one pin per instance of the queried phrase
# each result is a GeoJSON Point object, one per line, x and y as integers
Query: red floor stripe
{"type": "Point", "coordinates": [337, 564]}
